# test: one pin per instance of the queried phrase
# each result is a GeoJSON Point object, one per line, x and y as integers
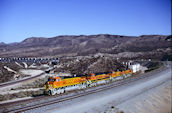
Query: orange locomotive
{"type": "Point", "coordinates": [57, 85]}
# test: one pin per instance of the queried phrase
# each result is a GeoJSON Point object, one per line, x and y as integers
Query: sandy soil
{"type": "Point", "coordinates": [17, 99]}
{"type": "Point", "coordinates": [31, 72]}
{"type": "Point", "coordinates": [157, 100]}
{"type": "Point", "coordinates": [19, 90]}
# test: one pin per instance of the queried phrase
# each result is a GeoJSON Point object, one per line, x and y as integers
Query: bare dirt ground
{"type": "Point", "coordinates": [157, 100]}
{"type": "Point", "coordinates": [11, 71]}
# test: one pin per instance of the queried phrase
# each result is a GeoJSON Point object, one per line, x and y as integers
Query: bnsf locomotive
{"type": "Point", "coordinates": [57, 85]}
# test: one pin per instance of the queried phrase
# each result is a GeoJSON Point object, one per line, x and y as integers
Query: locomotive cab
{"type": "Point", "coordinates": [49, 83]}
{"type": "Point", "coordinates": [51, 79]}
{"type": "Point", "coordinates": [57, 79]}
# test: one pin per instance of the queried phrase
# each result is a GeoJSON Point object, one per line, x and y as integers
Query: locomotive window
{"type": "Point", "coordinates": [57, 80]}
{"type": "Point", "coordinates": [51, 80]}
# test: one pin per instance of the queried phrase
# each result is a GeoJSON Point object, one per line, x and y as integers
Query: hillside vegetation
{"type": "Point", "coordinates": [146, 46]}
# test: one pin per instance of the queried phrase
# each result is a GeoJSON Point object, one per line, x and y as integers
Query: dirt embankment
{"type": "Point", "coordinates": [157, 100]}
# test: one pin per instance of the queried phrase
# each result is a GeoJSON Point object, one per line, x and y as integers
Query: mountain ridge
{"type": "Point", "coordinates": [84, 45]}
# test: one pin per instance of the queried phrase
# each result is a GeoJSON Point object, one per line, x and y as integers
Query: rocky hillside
{"type": "Point", "coordinates": [89, 64]}
{"type": "Point", "coordinates": [155, 46]}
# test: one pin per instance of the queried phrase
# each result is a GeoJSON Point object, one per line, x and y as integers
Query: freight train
{"type": "Point", "coordinates": [60, 84]}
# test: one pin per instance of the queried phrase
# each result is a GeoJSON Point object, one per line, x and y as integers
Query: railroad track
{"type": "Point", "coordinates": [22, 80]}
{"type": "Point", "coordinates": [14, 82]}
{"type": "Point", "coordinates": [82, 93]}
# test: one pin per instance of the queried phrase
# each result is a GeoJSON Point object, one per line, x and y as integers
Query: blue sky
{"type": "Point", "coordinates": [20, 19]}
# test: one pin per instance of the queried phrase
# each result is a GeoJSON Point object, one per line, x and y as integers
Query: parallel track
{"type": "Point", "coordinates": [18, 81]}
{"type": "Point", "coordinates": [105, 87]}
{"type": "Point", "coordinates": [22, 80]}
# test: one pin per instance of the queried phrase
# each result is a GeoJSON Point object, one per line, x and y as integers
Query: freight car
{"type": "Point", "coordinates": [57, 85]}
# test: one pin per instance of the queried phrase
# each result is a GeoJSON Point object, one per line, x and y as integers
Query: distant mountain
{"type": "Point", "coordinates": [84, 45]}
{"type": "Point", "coordinates": [2, 43]}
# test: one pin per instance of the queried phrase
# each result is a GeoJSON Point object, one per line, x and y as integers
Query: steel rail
{"type": "Point", "coordinates": [22, 80]}
{"type": "Point", "coordinates": [18, 81]}
{"type": "Point", "coordinates": [105, 87]}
